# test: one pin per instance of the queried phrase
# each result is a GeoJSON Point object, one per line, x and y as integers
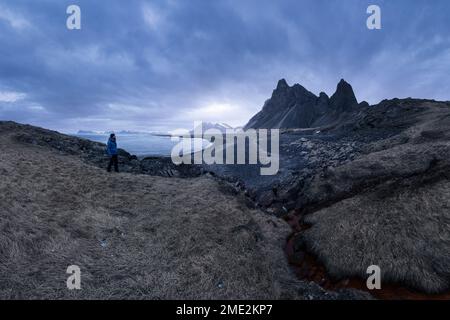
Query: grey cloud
{"type": "Point", "coordinates": [139, 64]}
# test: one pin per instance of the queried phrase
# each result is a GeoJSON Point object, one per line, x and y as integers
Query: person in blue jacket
{"type": "Point", "coordinates": [112, 152]}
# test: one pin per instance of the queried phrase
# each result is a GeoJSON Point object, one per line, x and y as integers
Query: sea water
{"type": "Point", "coordinates": [141, 144]}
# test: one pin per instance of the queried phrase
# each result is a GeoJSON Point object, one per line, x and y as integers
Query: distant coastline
{"type": "Point", "coordinates": [137, 143]}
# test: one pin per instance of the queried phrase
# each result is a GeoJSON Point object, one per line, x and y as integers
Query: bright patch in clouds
{"type": "Point", "coordinates": [16, 21]}
{"type": "Point", "coordinates": [163, 64]}
{"type": "Point", "coordinates": [152, 16]}
{"type": "Point", "coordinates": [36, 108]}
{"type": "Point", "coordinates": [232, 114]}
{"type": "Point", "coordinates": [11, 96]}
{"type": "Point", "coordinates": [216, 109]}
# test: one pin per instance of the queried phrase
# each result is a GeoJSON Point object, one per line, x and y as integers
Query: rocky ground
{"type": "Point", "coordinates": [134, 235]}
{"type": "Point", "coordinates": [374, 189]}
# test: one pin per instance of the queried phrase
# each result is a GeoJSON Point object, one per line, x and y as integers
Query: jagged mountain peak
{"type": "Point", "coordinates": [323, 96]}
{"type": "Point", "coordinates": [343, 87]}
{"type": "Point", "coordinates": [296, 107]}
{"type": "Point", "coordinates": [284, 91]}
{"type": "Point", "coordinates": [344, 98]}
{"type": "Point", "coordinates": [282, 84]}
{"type": "Point", "coordinates": [301, 90]}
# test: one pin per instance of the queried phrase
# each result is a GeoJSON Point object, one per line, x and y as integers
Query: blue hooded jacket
{"type": "Point", "coordinates": [112, 147]}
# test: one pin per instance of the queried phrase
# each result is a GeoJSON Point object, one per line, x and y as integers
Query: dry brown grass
{"type": "Point", "coordinates": [390, 208]}
{"type": "Point", "coordinates": [403, 232]}
{"type": "Point", "coordinates": [166, 238]}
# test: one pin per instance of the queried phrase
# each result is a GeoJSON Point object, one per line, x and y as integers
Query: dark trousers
{"type": "Point", "coordinates": [113, 160]}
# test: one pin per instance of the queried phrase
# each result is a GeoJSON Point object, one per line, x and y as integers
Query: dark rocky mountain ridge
{"type": "Point", "coordinates": [369, 186]}
{"type": "Point", "coordinates": [296, 107]}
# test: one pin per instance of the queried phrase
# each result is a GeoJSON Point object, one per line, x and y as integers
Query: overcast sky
{"type": "Point", "coordinates": [161, 64]}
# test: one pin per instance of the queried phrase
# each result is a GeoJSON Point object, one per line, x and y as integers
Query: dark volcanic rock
{"type": "Point", "coordinates": [372, 183]}
{"type": "Point", "coordinates": [296, 107]}
{"type": "Point", "coordinates": [95, 152]}
{"type": "Point", "coordinates": [344, 98]}
{"type": "Point", "coordinates": [163, 166]}
{"type": "Point", "coordinates": [289, 107]}
{"type": "Point", "coordinates": [373, 187]}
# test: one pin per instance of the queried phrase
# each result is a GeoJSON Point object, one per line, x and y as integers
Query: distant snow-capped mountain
{"type": "Point", "coordinates": [222, 127]}
{"type": "Point", "coordinates": [90, 132]}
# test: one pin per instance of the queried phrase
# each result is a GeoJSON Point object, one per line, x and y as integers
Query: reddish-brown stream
{"type": "Point", "coordinates": [307, 267]}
